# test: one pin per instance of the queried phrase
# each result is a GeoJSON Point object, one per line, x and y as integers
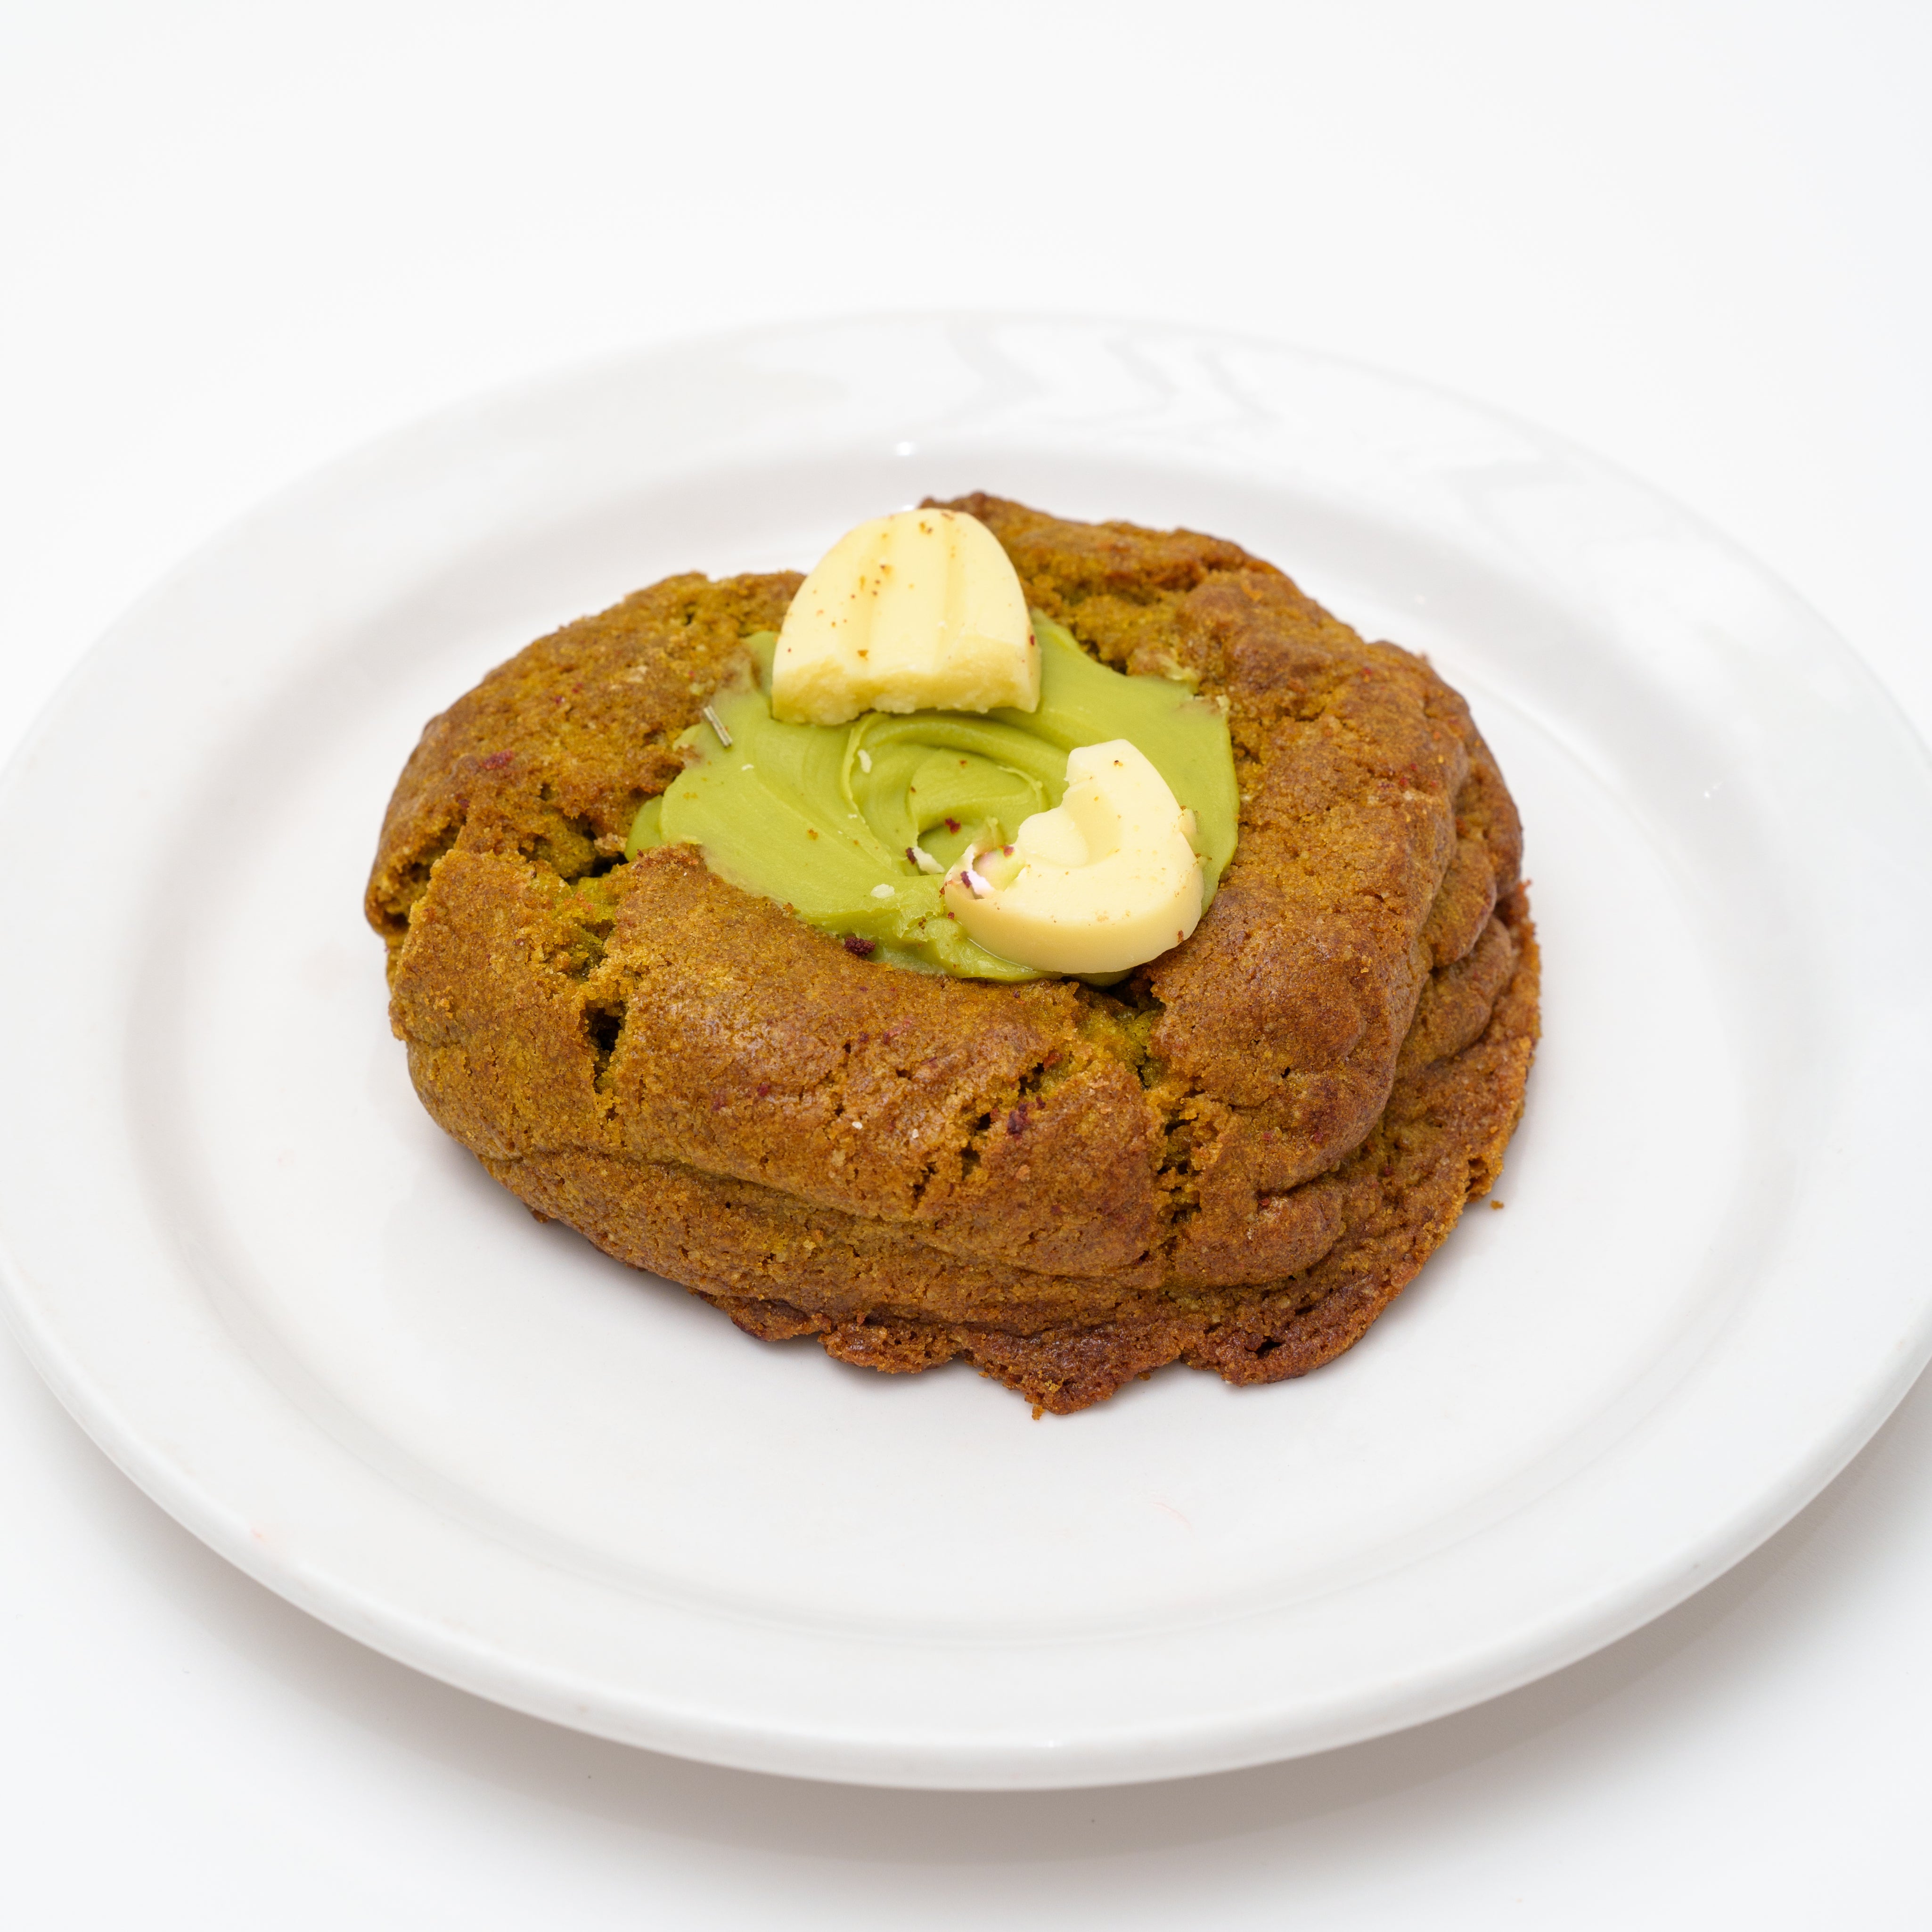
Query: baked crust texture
{"type": "Point", "coordinates": [1235, 1159]}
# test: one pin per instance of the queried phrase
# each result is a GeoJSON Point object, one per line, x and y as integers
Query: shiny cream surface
{"type": "Point", "coordinates": [854, 827]}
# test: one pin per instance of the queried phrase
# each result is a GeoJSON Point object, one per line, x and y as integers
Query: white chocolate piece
{"type": "Point", "coordinates": [1106, 880]}
{"type": "Point", "coordinates": [921, 611]}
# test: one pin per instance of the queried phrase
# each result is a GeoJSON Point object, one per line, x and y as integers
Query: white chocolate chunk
{"type": "Point", "coordinates": [921, 611]}
{"type": "Point", "coordinates": [1106, 880]}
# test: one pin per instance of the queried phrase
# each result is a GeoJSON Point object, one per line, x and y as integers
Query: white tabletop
{"type": "Point", "coordinates": [238, 240]}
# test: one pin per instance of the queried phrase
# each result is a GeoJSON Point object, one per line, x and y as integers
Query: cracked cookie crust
{"type": "Point", "coordinates": [1235, 1159]}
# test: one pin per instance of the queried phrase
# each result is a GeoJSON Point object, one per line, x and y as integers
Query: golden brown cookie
{"type": "Point", "coordinates": [1235, 1159]}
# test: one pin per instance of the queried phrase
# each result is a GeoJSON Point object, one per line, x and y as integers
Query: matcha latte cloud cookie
{"type": "Point", "coordinates": [712, 972]}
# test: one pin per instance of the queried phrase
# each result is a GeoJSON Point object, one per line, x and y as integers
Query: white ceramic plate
{"type": "Point", "coordinates": [314, 1330]}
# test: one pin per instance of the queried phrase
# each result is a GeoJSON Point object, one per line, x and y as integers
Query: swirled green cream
{"type": "Point", "coordinates": [834, 821]}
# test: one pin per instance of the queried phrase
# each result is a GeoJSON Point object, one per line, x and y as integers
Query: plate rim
{"type": "Point", "coordinates": [91, 1402]}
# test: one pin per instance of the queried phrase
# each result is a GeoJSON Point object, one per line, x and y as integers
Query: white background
{"type": "Point", "coordinates": [238, 240]}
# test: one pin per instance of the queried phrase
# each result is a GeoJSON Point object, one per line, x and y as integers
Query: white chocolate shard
{"type": "Point", "coordinates": [1107, 880]}
{"type": "Point", "coordinates": [920, 611]}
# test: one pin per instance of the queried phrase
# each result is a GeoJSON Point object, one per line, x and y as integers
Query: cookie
{"type": "Point", "coordinates": [1233, 1158]}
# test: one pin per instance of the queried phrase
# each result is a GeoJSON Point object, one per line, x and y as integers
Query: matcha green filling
{"type": "Point", "coordinates": [824, 818]}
